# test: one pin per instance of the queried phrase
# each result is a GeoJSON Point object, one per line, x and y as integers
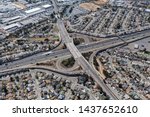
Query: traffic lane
{"type": "Point", "coordinates": [88, 45]}
{"type": "Point", "coordinates": [89, 70]}
{"type": "Point", "coordinates": [58, 54]}
{"type": "Point", "coordinates": [40, 57]}
{"type": "Point", "coordinates": [35, 60]}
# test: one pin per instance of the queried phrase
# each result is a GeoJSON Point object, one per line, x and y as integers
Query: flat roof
{"type": "Point", "coordinates": [27, 21]}
{"type": "Point", "coordinates": [47, 5]}
{"type": "Point", "coordinates": [33, 10]}
{"type": "Point", "coordinates": [147, 10]}
{"type": "Point", "coordinates": [11, 18]}
{"type": "Point", "coordinates": [11, 26]}
{"type": "Point", "coordinates": [37, 12]}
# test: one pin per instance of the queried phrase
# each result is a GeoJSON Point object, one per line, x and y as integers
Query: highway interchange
{"type": "Point", "coordinates": [76, 52]}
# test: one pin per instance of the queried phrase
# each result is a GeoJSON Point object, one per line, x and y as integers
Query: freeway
{"type": "Point", "coordinates": [28, 67]}
{"type": "Point", "coordinates": [80, 59]}
{"type": "Point", "coordinates": [101, 45]}
{"type": "Point", "coordinates": [76, 52]}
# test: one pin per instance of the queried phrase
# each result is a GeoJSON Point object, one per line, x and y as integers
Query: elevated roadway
{"type": "Point", "coordinates": [102, 45]}
{"type": "Point", "coordinates": [80, 59]}
{"type": "Point", "coordinates": [76, 53]}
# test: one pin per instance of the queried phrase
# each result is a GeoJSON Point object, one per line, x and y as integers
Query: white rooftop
{"type": "Point", "coordinates": [47, 5]}
{"type": "Point", "coordinates": [11, 26]}
{"type": "Point", "coordinates": [33, 10]}
{"type": "Point", "coordinates": [147, 10]}
{"type": "Point", "coordinates": [12, 18]}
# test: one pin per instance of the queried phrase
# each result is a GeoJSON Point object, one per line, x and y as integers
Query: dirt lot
{"type": "Point", "coordinates": [93, 5]}
{"type": "Point", "coordinates": [19, 5]}
{"type": "Point", "coordinates": [89, 6]}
